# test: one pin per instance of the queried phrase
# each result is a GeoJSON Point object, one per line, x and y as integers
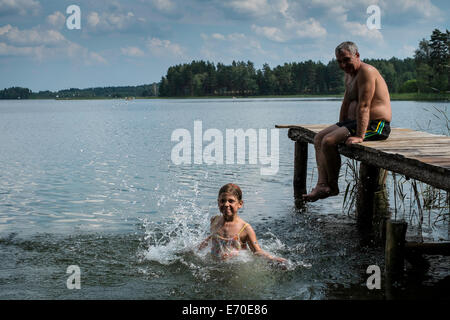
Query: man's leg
{"type": "Point", "coordinates": [322, 179]}
{"type": "Point", "coordinates": [333, 158]}
{"type": "Point", "coordinates": [328, 162]}
{"type": "Point", "coordinates": [320, 160]}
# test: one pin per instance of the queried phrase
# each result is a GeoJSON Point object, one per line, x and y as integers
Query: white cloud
{"type": "Point", "coordinates": [292, 29]}
{"type": "Point", "coordinates": [407, 51]}
{"type": "Point", "coordinates": [94, 58]}
{"type": "Point", "coordinates": [163, 5]}
{"type": "Point", "coordinates": [31, 36]}
{"type": "Point", "coordinates": [162, 48]}
{"type": "Point", "coordinates": [250, 7]}
{"type": "Point", "coordinates": [424, 7]}
{"type": "Point", "coordinates": [233, 46]}
{"type": "Point", "coordinates": [282, 6]}
{"type": "Point", "coordinates": [132, 52]}
{"type": "Point", "coordinates": [106, 21]}
{"type": "Point", "coordinates": [21, 7]}
{"type": "Point", "coordinates": [43, 44]}
{"type": "Point", "coordinates": [358, 29]}
{"type": "Point", "coordinates": [80, 53]}
{"type": "Point", "coordinates": [5, 29]}
{"type": "Point", "coordinates": [236, 37]}
{"type": "Point", "coordinates": [8, 50]}
{"type": "Point", "coordinates": [271, 33]}
{"type": "Point", "coordinates": [93, 19]}
{"type": "Point", "coordinates": [337, 15]}
{"type": "Point", "coordinates": [218, 36]}
{"type": "Point", "coordinates": [310, 28]}
{"type": "Point", "coordinates": [285, 25]}
{"type": "Point", "coordinates": [57, 19]}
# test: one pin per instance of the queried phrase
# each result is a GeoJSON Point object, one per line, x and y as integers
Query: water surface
{"type": "Point", "coordinates": [91, 183]}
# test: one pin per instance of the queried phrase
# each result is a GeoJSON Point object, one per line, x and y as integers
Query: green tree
{"type": "Point", "coordinates": [15, 93]}
{"type": "Point", "coordinates": [409, 86]}
{"type": "Point", "coordinates": [335, 77]}
{"type": "Point", "coordinates": [433, 62]}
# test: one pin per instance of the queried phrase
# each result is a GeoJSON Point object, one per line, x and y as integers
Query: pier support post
{"type": "Point", "coordinates": [300, 172]}
{"type": "Point", "coordinates": [395, 248]}
{"type": "Point", "coordinates": [372, 207]}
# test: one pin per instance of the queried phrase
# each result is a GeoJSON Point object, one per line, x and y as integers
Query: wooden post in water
{"type": "Point", "coordinates": [448, 220]}
{"type": "Point", "coordinates": [395, 248]}
{"type": "Point", "coordinates": [381, 212]}
{"type": "Point", "coordinates": [300, 172]}
{"type": "Point", "coordinates": [371, 202]}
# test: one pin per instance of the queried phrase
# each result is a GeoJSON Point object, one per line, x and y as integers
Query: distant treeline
{"type": "Point", "coordinates": [149, 90]}
{"type": "Point", "coordinates": [426, 72]}
{"type": "Point", "coordinates": [200, 78]}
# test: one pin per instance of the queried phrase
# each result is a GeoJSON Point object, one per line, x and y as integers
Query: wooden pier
{"type": "Point", "coordinates": [418, 155]}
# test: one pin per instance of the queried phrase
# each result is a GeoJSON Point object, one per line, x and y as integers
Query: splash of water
{"type": "Point", "coordinates": [175, 241]}
{"type": "Point", "coordinates": [178, 235]}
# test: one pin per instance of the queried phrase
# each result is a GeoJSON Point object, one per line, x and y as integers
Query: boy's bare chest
{"type": "Point", "coordinates": [228, 231]}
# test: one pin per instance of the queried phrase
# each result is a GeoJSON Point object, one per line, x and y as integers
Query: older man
{"type": "Point", "coordinates": [365, 115]}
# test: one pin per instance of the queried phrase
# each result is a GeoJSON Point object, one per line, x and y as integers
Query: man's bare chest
{"type": "Point", "coordinates": [352, 88]}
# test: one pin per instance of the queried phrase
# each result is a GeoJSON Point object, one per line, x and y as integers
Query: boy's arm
{"type": "Point", "coordinates": [204, 243]}
{"type": "Point", "coordinates": [252, 242]}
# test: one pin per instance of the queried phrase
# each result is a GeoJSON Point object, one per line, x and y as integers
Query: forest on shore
{"type": "Point", "coordinates": [425, 74]}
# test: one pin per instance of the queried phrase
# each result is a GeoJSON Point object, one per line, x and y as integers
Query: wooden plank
{"type": "Point", "coordinates": [392, 160]}
{"type": "Point", "coordinates": [440, 248]}
{"type": "Point", "coordinates": [423, 151]}
{"type": "Point", "coordinates": [395, 132]}
{"type": "Point", "coordinates": [422, 140]}
{"type": "Point", "coordinates": [406, 145]}
{"type": "Point", "coordinates": [300, 172]}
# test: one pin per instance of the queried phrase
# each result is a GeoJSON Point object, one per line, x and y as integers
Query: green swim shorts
{"type": "Point", "coordinates": [376, 130]}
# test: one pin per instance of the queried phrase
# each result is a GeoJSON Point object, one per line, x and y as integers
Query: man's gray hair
{"type": "Point", "coordinates": [348, 46]}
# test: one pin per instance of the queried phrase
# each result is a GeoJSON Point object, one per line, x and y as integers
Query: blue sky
{"type": "Point", "coordinates": [134, 42]}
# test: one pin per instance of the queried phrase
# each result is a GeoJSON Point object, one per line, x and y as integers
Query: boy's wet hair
{"type": "Point", "coordinates": [233, 189]}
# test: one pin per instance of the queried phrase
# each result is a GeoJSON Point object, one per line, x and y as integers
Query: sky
{"type": "Point", "coordinates": [133, 42]}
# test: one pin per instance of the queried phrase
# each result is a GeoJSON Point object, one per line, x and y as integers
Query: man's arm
{"type": "Point", "coordinates": [366, 91]}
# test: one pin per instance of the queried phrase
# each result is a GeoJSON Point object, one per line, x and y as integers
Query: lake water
{"type": "Point", "coordinates": [93, 184]}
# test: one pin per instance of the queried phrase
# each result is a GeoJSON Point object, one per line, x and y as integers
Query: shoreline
{"type": "Point", "coordinates": [394, 97]}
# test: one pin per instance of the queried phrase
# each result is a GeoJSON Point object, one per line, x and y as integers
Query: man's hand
{"type": "Point", "coordinates": [352, 140]}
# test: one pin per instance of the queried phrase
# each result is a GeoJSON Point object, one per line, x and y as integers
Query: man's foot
{"type": "Point", "coordinates": [334, 188]}
{"type": "Point", "coordinates": [321, 191]}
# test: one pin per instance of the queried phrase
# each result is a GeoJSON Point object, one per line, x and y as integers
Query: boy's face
{"type": "Point", "coordinates": [229, 205]}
